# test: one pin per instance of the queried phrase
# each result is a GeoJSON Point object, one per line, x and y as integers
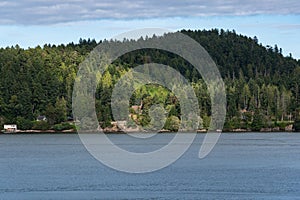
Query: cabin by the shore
{"type": "Point", "coordinates": [10, 128]}
{"type": "Point", "coordinates": [41, 118]}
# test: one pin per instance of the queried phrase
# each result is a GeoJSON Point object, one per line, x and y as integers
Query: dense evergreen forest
{"type": "Point", "coordinates": [262, 85]}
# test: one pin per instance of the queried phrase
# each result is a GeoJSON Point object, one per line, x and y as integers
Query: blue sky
{"type": "Point", "coordinates": [35, 22]}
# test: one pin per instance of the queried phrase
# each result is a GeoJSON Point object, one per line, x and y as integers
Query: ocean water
{"type": "Point", "coordinates": [241, 166]}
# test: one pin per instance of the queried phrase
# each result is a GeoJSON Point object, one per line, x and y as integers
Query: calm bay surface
{"type": "Point", "coordinates": [241, 166]}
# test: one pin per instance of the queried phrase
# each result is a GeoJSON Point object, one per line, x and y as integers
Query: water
{"type": "Point", "coordinates": [241, 166]}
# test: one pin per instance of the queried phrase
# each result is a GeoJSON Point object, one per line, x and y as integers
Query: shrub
{"type": "Point", "coordinates": [87, 123]}
{"type": "Point", "coordinates": [40, 125]}
{"type": "Point", "coordinates": [297, 125]}
{"type": "Point", "coordinates": [172, 123]}
{"type": "Point", "coordinates": [24, 124]}
{"type": "Point", "coordinates": [63, 126]}
{"type": "Point", "coordinates": [282, 124]}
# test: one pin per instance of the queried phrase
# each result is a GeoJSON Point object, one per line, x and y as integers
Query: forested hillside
{"type": "Point", "coordinates": [262, 85]}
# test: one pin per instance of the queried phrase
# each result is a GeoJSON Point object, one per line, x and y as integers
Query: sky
{"type": "Point", "coordinates": [29, 23]}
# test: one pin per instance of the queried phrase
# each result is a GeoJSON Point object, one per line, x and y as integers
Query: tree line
{"type": "Point", "coordinates": [262, 85]}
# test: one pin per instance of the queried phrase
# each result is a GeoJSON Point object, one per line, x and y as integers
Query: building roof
{"type": "Point", "coordinates": [41, 117]}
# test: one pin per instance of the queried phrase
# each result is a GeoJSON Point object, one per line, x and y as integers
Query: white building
{"type": "Point", "coordinates": [11, 128]}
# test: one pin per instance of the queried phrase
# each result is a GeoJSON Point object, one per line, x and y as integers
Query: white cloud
{"type": "Point", "coordinates": [28, 12]}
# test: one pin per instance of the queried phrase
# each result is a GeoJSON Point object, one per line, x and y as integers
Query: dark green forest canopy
{"type": "Point", "coordinates": [260, 82]}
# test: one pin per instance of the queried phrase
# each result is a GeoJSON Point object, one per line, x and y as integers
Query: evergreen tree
{"type": "Point", "coordinates": [257, 122]}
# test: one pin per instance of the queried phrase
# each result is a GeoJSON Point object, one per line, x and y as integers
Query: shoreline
{"type": "Point", "coordinates": [71, 131]}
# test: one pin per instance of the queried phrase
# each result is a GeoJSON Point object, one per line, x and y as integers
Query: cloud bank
{"type": "Point", "coordinates": [35, 12]}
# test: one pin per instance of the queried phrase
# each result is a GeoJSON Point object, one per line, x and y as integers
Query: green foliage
{"type": "Point", "coordinates": [87, 123]}
{"type": "Point", "coordinates": [107, 80]}
{"type": "Point", "coordinates": [296, 125]}
{"type": "Point", "coordinates": [257, 123]}
{"type": "Point", "coordinates": [51, 114]}
{"type": "Point", "coordinates": [63, 126]}
{"type": "Point", "coordinates": [106, 124]}
{"type": "Point", "coordinates": [172, 110]}
{"type": "Point", "coordinates": [259, 81]}
{"type": "Point", "coordinates": [58, 113]}
{"type": "Point", "coordinates": [172, 123]}
{"type": "Point", "coordinates": [158, 118]}
{"type": "Point", "coordinates": [40, 125]}
{"type": "Point", "coordinates": [233, 123]}
{"type": "Point", "coordinates": [61, 110]}
{"type": "Point", "coordinates": [144, 120]}
{"type": "Point", "coordinates": [206, 121]}
{"type": "Point", "coordinates": [2, 122]}
{"type": "Point", "coordinates": [283, 124]}
{"type": "Point", "coordinates": [24, 124]}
